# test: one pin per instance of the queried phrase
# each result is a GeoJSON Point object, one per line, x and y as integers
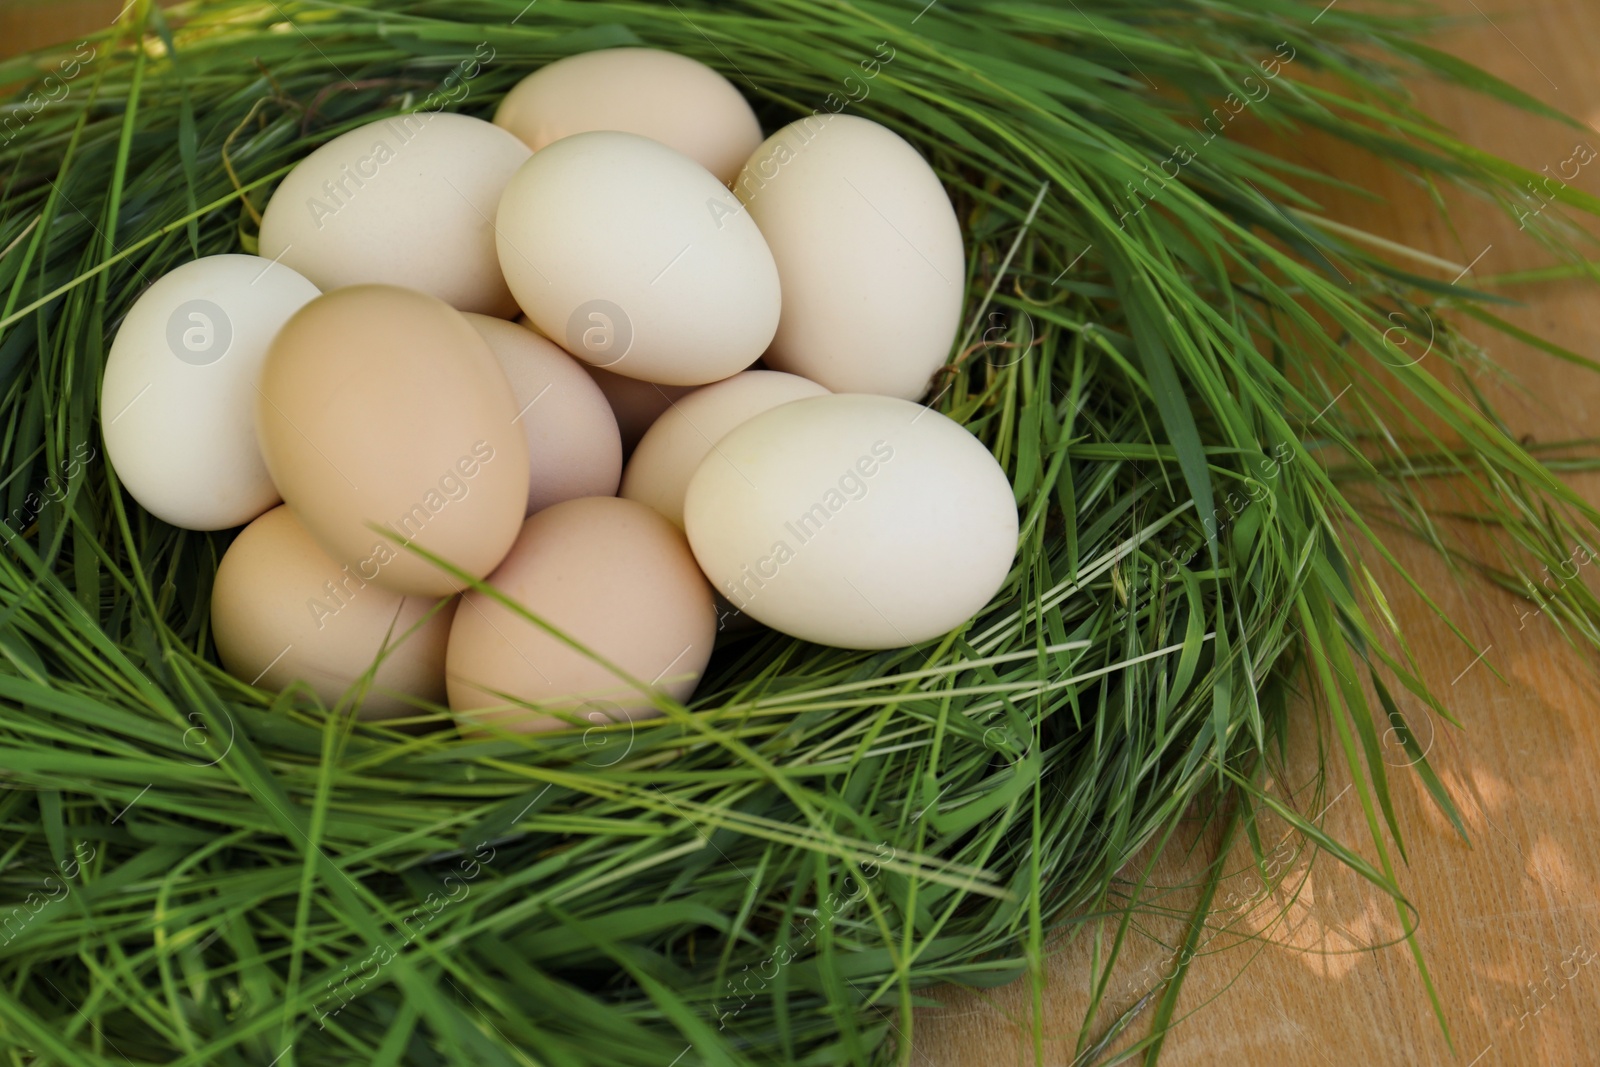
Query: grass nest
{"type": "Point", "coordinates": [1200, 388]}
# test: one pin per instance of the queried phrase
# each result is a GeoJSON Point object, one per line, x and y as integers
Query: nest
{"type": "Point", "coordinates": [1159, 331]}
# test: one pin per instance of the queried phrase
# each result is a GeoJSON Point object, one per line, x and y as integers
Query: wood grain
{"type": "Point", "coordinates": [1510, 924]}
{"type": "Point", "coordinates": [36, 25]}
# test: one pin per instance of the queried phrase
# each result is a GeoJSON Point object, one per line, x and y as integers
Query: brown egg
{"type": "Point", "coordinates": [283, 611]}
{"type": "Point", "coordinates": [573, 446]}
{"type": "Point", "coordinates": [385, 420]}
{"type": "Point", "coordinates": [635, 403]}
{"type": "Point", "coordinates": [610, 574]}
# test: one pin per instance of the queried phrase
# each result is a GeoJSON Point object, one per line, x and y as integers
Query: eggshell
{"type": "Point", "coordinates": [868, 250]}
{"type": "Point", "coordinates": [404, 201]}
{"type": "Point", "coordinates": [669, 98]}
{"type": "Point", "coordinates": [612, 575]}
{"type": "Point", "coordinates": [178, 399]}
{"type": "Point", "coordinates": [282, 611]}
{"type": "Point", "coordinates": [635, 258]}
{"type": "Point", "coordinates": [574, 448]}
{"type": "Point", "coordinates": [853, 520]}
{"type": "Point", "coordinates": [383, 406]}
{"type": "Point", "coordinates": [635, 403]}
{"type": "Point", "coordinates": [687, 434]}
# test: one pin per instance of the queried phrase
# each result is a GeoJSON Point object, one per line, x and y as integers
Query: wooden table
{"type": "Point", "coordinates": [1510, 925]}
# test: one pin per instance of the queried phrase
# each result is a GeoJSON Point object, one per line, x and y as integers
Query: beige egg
{"type": "Point", "coordinates": [610, 574]}
{"type": "Point", "coordinates": [687, 434]}
{"type": "Point", "coordinates": [666, 97]}
{"type": "Point", "coordinates": [636, 404]}
{"type": "Point", "coordinates": [386, 420]}
{"type": "Point", "coordinates": [634, 258]}
{"type": "Point", "coordinates": [854, 520]}
{"type": "Point", "coordinates": [283, 611]}
{"type": "Point", "coordinates": [574, 448]}
{"type": "Point", "coordinates": [868, 250]}
{"type": "Point", "coordinates": [407, 201]}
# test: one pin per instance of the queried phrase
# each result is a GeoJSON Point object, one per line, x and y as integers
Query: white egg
{"type": "Point", "coordinates": [853, 520]}
{"type": "Point", "coordinates": [405, 201]}
{"type": "Point", "coordinates": [688, 432]}
{"type": "Point", "coordinates": [178, 401]}
{"type": "Point", "coordinates": [635, 258]}
{"type": "Point", "coordinates": [868, 250]}
{"type": "Point", "coordinates": [574, 448]}
{"type": "Point", "coordinates": [666, 97]}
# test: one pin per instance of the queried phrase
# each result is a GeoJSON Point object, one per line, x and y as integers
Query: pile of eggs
{"type": "Point", "coordinates": [456, 330]}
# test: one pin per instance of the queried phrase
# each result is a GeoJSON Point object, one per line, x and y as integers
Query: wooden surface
{"type": "Point", "coordinates": [26, 24]}
{"type": "Point", "coordinates": [1510, 925]}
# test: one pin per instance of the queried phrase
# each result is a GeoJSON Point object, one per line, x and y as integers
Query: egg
{"type": "Point", "coordinates": [687, 434]}
{"type": "Point", "coordinates": [177, 402]}
{"type": "Point", "coordinates": [853, 520]}
{"type": "Point", "coordinates": [634, 258]}
{"type": "Point", "coordinates": [386, 420]}
{"type": "Point", "coordinates": [613, 576]}
{"type": "Point", "coordinates": [406, 201]}
{"type": "Point", "coordinates": [574, 448]}
{"type": "Point", "coordinates": [868, 251]}
{"type": "Point", "coordinates": [283, 611]}
{"type": "Point", "coordinates": [636, 404]}
{"type": "Point", "coordinates": [669, 98]}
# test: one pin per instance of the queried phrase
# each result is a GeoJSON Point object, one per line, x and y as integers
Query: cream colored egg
{"type": "Point", "coordinates": [406, 201]}
{"type": "Point", "coordinates": [853, 520]}
{"type": "Point", "coordinates": [868, 250]}
{"type": "Point", "coordinates": [386, 421]}
{"type": "Point", "coordinates": [635, 258]}
{"type": "Point", "coordinates": [687, 434]}
{"type": "Point", "coordinates": [666, 97]}
{"type": "Point", "coordinates": [573, 446]}
{"type": "Point", "coordinates": [283, 611]}
{"type": "Point", "coordinates": [610, 574]}
{"type": "Point", "coordinates": [636, 404]}
{"type": "Point", "coordinates": [177, 403]}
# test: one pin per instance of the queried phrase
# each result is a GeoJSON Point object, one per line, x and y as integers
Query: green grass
{"type": "Point", "coordinates": [781, 870]}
